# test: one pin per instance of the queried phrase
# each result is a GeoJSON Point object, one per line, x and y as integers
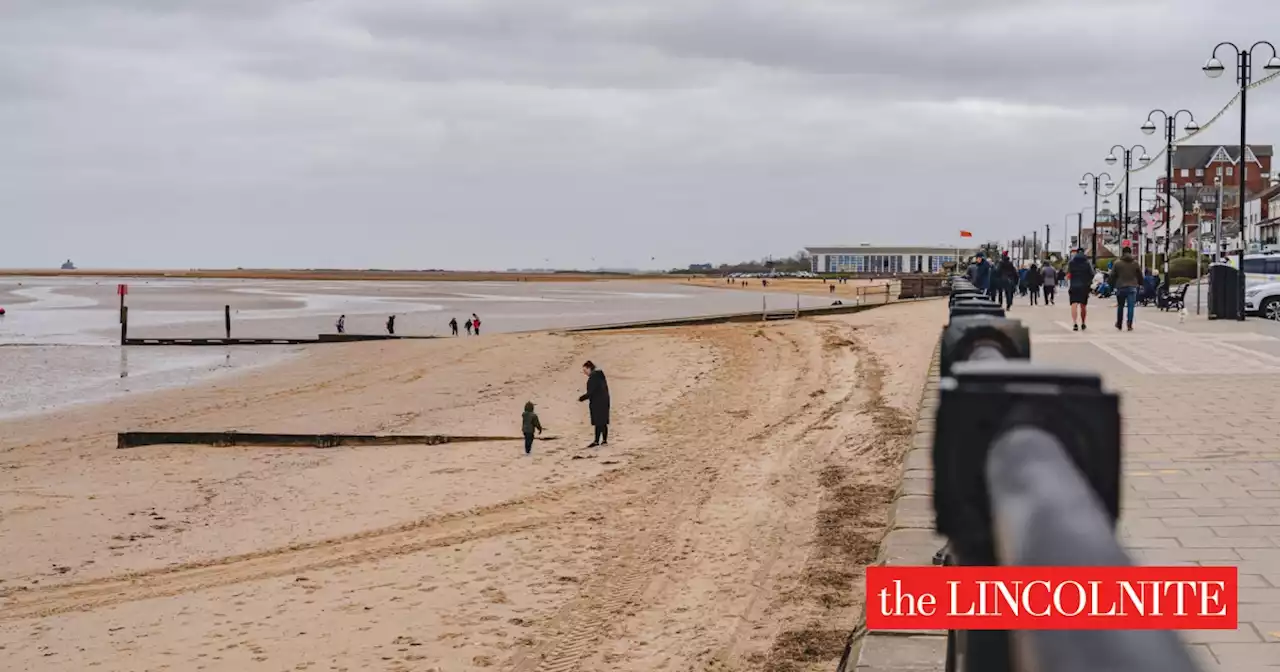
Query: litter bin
{"type": "Point", "coordinates": [1224, 293]}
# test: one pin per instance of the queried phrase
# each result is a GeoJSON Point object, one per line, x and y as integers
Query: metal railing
{"type": "Point", "coordinates": [1027, 473]}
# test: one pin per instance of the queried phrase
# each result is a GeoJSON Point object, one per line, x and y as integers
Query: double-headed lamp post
{"type": "Point", "coordinates": [1085, 184]}
{"type": "Point", "coordinates": [1244, 77]}
{"type": "Point", "coordinates": [1128, 166]}
{"type": "Point", "coordinates": [1170, 132]}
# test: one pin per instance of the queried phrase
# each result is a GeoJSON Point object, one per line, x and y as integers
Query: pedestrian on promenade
{"type": "Point", "coordinates": [1022, 281]}
{"type": "Point", "coordinates": [467, 324]}
{"type": "Point", "coordinates": [1126, 277]}
{"type": "Point", "coordinates": [391, 325]}
{"type": "Point", "coordinates": [475, 323]}
{"type": "Point", "coordinates": [980, 274]}
{"type": "Point", "coordinates": [1050, 282]}
{"type": "Point", "coordinates": [342, 324]}
{"type": "Point", "coordinates": [597, 398]}
{"type": "Point", "coordinates": [1080, 277]}
{"type": "Point", "coordinates": [1008, 275]}
{"type": "Point", "coordinates": [528, 424]}
{"type": "Point", "coordinates": [453, 326]}
{"type": "Point", "coordinates": [1034, 280]}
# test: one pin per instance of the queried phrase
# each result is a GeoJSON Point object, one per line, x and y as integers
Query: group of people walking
{"type": "Point", "coordinates": [1001, 279]}
{"type": "Point", "coordinates": [472, 325]}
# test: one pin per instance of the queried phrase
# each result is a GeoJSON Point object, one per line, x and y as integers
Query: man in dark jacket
{"type": "Point", "coordinates": [980, 274]}
{"type": "Point", "coordinates": [597, 398]}
{"type": "Point", "coordinates": [1007, 275]}
{"type": "Point", "coordinates": [1080, 275]}
{"type": "Point", "coordinates": [1126, 277]}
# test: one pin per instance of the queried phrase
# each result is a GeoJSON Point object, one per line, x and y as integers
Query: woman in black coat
{"type": "Point", "coordinates": [597, 398]}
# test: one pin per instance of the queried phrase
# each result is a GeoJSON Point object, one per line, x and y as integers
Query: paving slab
{"type": "Point", "coordinates": [1200, 402]}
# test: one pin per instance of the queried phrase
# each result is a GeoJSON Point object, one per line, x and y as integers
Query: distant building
{"type": "Point", "coordinates": [68, 266]}
{"type": "Point", "coordinates": [1196, 167]}
{"type": "Point", "coordinates": [700, 268]}
{"type": "Point", "coordinates": [872, 259]}
{"type": "Point", "coordinates": [1261, 218]}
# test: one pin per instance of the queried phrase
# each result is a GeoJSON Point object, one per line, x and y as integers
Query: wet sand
{"type": "Point", "coordinates": [61, 346]}
{"type": "Point", "coordinates": [725, 527]}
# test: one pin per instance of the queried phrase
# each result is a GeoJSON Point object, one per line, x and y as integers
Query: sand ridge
{"type": "Point", "coordinates": [722, 530]}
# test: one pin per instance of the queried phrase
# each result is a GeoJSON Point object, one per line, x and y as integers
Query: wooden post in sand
{"type": "Point", "coordinates": [122, 290]}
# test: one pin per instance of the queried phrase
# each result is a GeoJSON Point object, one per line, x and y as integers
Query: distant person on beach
{"type": "Point", "coordinates": [528, 424]}
{"type": "Point", "coordinates": [475, 323]}
{"type": "Point", "coordinates": [597, 398]}
{"type": "Point", "coordinates": [467, 324]}
{"type": "Point", "coordinates": [453, 326]}
{"type": "Point", "coordinates": [391, 325]}
{"type": "Point", "coordinates": [342, 324]}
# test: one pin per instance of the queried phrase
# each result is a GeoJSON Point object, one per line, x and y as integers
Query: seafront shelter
{"type": "Point", "coordinates": [872, 259]}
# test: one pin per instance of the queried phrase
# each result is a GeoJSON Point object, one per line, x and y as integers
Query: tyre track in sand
{"type": "Point", "coordinates": [684, 479]}
{"type": "Point", "coordinates": [360, 547]}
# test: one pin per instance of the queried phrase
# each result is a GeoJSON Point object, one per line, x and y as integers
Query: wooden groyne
{"type": "Point", "coordinates": [139, 439]}
{"type": "Point", "coordinates": [322, 338]}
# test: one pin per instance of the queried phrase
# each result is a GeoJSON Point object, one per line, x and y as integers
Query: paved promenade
{"type": "Point", "coordinates": [1201, 408]}
{"type": "Point", "coordinates": [1201, 431]}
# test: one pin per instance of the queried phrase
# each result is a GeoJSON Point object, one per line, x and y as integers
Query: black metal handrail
{"type": "Point", "coordinates": [1044, 511]}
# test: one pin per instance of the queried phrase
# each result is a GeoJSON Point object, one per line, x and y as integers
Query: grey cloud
{"type": "Point", "coordinates": [488, 133]}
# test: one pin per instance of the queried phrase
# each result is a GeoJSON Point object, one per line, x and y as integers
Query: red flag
{"type": "Point", "coordinates": [965, 234]}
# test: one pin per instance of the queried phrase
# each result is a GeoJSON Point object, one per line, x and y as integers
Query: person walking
{"type": "Point", "coordinates": [1050, 283]}
{"type": "Point", "coordinates": [342, 324]}
{"type": "Point", "coordinates": [475, 323]}
{"type": "Point", "coordinates": [1034, 281]}
{"type": "Point", "coordinates": [1022, 281]}
{"type": "Point", "coordinates": [391, 325]}
{"type": "Point", "coordinates": [1008, 274]}
{"type": "Point", "coordinates": [597, 398]}
{"type": "Point", "coordinates": [1126, 277]}
{"type": "Point", "coordinates": [453, 326]}
{"type": "Point", "coordinates": [981, 274]}
{"type": "Point", "coordinates": [528, 424]}
{"type": "Point", "coordinates": [1080, 277]}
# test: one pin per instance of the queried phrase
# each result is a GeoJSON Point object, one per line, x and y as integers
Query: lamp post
{"type": "Point", "coordinates": [1170, 130]}
{"type": "Point", "coordinates": [1084, 184]}
{"type": "Point", "coordinates": [1244, 77]}
{"type": "Point", "coordinates": [1128, 166]}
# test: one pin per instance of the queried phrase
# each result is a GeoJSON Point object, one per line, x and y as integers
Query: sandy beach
{"type": "Point", "coordinates": [723, 528]}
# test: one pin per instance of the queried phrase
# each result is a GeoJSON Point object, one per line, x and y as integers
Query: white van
{"type": "Point", "coordinates": [1259, 268]}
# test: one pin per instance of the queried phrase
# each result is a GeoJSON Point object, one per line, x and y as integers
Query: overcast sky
{"type": "Point", "coordinates": [478, 134]}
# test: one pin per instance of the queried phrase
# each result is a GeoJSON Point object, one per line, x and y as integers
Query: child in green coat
{"type": "Point", "coordinates": [528, 424]}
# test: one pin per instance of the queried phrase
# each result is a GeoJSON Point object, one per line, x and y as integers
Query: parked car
{"type": "Point", "coordinates": [1263, 300]}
